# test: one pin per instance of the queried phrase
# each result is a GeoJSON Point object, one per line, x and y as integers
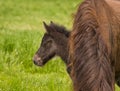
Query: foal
{"type": "Point", "coordinates": [54, 42]}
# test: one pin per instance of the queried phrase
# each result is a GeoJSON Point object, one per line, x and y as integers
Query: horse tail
{"type": "Point", "coordinates": [91, 44]}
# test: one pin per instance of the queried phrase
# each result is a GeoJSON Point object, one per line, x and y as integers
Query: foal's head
{"type": "Point", "coordinates": [52, 41]}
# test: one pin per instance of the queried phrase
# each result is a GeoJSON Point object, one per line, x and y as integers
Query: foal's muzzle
{"type": "Point", "coordinates": [37, 60]}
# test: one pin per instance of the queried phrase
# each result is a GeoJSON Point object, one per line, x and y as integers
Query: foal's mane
{"type": "Point", "coordinates": [60, 29]}
{"type": "Point", "coordinates": [91, 43]}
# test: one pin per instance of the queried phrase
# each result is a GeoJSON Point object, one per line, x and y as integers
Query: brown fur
{"type": "Point", "coordinates": [94, 46]}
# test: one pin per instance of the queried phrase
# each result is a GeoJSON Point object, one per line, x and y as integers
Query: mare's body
{"type": "Point", "coordinates": [95, 45]}
{"type": "Point", "coordinates": [115, 4]}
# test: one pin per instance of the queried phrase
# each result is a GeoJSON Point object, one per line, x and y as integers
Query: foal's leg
{"type": "Point", "coordinates": [117, 78]}
{"type": "Point", "coordinates": [118, 81]}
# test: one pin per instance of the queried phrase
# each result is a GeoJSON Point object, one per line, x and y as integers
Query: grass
{"type": "Point", "coordinates": [21, 30]}
{"type": "Point", "coordinates": [17, 71]}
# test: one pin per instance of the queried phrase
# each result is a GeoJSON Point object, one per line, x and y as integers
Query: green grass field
{"type": "Point", "coordinates": [21, 30]}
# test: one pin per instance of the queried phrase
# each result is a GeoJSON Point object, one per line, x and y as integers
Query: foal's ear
{"type": "Point", "coordinates": [48, 28]}
{"type": "Point", "coordinates": [51, 22]}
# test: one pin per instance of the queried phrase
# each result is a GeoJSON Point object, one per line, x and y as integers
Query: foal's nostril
{"type": "Point", "coordinates": [35, 62]}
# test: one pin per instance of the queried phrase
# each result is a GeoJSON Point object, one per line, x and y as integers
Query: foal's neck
{"type": "Point", "coordinates": [63, 53]}
{"type": "Point", "coordinates": [63, 49]}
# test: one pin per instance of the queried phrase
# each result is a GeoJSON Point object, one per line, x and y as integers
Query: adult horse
{"type": "Point", "coordinates": [95, 45]}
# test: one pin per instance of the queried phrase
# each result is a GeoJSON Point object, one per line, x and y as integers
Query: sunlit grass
{"type": "Point", "coordinates": [17, 71]}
